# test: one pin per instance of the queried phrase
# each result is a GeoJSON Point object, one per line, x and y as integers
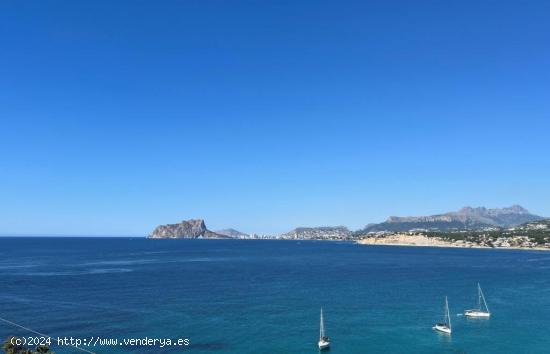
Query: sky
{"type": "Point", "coordinates": [117, 116]}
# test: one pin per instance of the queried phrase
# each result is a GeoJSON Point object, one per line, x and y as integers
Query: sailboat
{"type": "Point", "coordinates": [482, 310]}
{"type": "Point", "coordinates": [444, 327]}
{"type": "Point", "coordinates": [324, 341]}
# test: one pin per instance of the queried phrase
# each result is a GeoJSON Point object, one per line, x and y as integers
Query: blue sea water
{"type": "Point", "coordinates": [232, 296]}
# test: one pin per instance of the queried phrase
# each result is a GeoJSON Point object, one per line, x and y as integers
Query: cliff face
{"type": "Point", "coordinates": [194, 228]}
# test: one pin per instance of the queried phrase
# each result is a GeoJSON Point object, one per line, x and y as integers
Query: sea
{"type": "Point", "coordinates": [265, 296]}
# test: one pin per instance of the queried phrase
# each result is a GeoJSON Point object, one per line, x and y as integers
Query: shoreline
{"type": "Point", "coordinates": [423, 241]}
{"type": "Point", "coordinates": [370, 241]}
{"type": "Point", "coordinates": [381, 242]}
{"type": "Point", "coordinates": [451, 246]}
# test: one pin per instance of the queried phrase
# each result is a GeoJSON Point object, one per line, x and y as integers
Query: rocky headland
{"type": "Point", "coordinates": [194, 228]}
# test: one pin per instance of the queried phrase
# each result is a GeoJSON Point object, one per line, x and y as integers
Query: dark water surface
{"type": "Point", "coordinates": [232, 296]}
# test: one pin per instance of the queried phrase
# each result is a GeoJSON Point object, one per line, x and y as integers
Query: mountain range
{"type": "Point", "coordinates": [467, 218]}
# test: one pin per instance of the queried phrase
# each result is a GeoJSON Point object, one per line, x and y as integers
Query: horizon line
{"type": "Point", "coordinates": [7, 235]}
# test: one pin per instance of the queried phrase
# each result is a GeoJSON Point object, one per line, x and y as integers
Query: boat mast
{"type": "Point", "coordinates": [482, 297]}
{"type": "Point", "coordinates": [478, 297]}
{"type": "Point", "coordinates": [447, 315]}
{"type": "Point", "coordinates": [322, 326]}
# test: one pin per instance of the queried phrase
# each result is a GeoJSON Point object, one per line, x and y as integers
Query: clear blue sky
{"type": "Point", "coordinates": [117, 116]}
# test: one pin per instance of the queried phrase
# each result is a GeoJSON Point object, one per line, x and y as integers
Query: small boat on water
{"type": "Point", "coordinates": [482, 311]}
{"type": "Point", "coordinates": [324, 341]}
{"type": "Point", "coordinates": [444, 327]}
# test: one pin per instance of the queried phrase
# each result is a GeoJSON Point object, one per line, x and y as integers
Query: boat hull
{"type": "Point", "coordinates": [476, 314]}
{"type": "Point", "coordinates": [442, 329]}
{"type": "Point", "coordinates": [323, 344]}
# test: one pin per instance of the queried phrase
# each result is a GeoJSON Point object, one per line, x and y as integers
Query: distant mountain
{"type": "Point", "coordinates": [467, 218]}
{"type": "Point", "coordinates": [194, 228]}
{"type": "Point", "coordinates": [231, 233]}
{"type": "Point", "coordinates": [317, 233]}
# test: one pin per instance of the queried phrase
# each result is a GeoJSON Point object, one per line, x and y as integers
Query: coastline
{"type": "Point", "coordinates": [377, 241]}
{"type": "Point", "coordinates": [424, 241]}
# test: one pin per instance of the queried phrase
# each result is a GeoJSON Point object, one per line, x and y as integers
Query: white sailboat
{"type": "Point", "coordinates": [324, 341]}
{"type": "Point", "coordinates": [482, 311]}
{"type": "Point", "coordinates": [444, 327]}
